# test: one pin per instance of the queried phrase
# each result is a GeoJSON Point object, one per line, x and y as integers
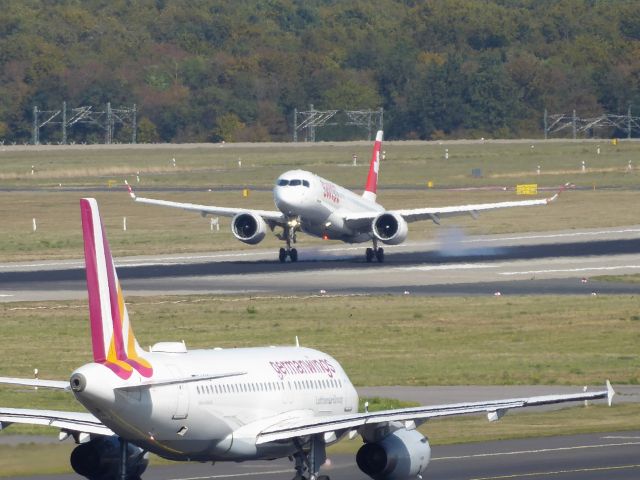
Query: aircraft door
{"type": "Point", "coordinates": [181, 393]}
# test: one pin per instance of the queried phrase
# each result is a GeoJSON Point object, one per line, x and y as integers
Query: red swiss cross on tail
{"type": "Point", "coordinates": [372, 180]}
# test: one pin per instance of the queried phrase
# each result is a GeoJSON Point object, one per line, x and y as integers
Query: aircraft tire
{"type": "Point", "coordinates": [369, 254]}
{"type": "Point", "coordinates": [282, 255]}
{"type": "Point", "coordinates": [293, 254]}
{"type": "Point", "coordinates": [380, 255]}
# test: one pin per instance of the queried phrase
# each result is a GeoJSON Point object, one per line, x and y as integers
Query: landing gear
{"type": "Point", "coordinates": [292, 253]}
{"type": "Point", "coordinates": [309, 459]}
{"type": "Point", "coordinates": [377, 252]}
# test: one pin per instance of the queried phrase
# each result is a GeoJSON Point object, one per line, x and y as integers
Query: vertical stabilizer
{"type": "Point", "coordinates": [113, 342]}
{"type": "Point", "coordinates": [372, 180]}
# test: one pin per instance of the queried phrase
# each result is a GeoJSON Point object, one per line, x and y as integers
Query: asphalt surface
{"type": "Point", "coordinates": [544, 263]}
{"type": "Point", "coordinates": [611, 456]}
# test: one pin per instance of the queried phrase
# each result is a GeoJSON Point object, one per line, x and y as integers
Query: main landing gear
{"type": "Point", "coordinates": [377, 252]}
{"type": "Point", "coordinates": [309, 459]}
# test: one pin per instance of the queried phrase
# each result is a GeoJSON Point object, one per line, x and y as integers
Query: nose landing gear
{"type": "Point", "coordinates": [292, 253]}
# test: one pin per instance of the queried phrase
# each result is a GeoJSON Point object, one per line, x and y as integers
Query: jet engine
{"type": "Point", "coordinates": [401, 455]}
{"type": "Point", "coordinates": [390, 228]}
{"type": "Point", "coordinates": [248, 228]}
{"type": "Point", "coordinates": [99, 459]}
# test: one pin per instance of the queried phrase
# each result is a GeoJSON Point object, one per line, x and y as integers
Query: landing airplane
{"type": "Point", "coordinates": [234, 404]}
{"type": "Point", "coordinates": [318, 207]}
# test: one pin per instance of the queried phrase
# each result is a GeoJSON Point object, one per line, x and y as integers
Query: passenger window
{"type": "Point", "coordinates": [306, 183]}
{"type": "Point", "coordinates": [283, 183]}
{"type": "Point", "coordinates": [295, 183]}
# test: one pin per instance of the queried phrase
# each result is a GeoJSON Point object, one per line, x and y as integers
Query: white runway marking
{"type": "Point", "coordinates": [559, 472]}
{"type": "Point", "coordinates": [5, 295]}
{"type": "Point", "coordinates": [572, 270]}
{"type": "Point", "coordinates": [551, 235]}
{"type": "Point", "coordinates": [232, 475]}
{"type": "Point", "coordinates": [464, 266]}
{"type": "Point", "coordinates": [542, 450]}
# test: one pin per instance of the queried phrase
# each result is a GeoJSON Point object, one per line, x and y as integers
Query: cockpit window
{"type": "Point", "coordinates": [305, 183]}
{"type": "Point", "coordinates": [295, 183]}
{"type": "Point", "coordinates": [282, 182]}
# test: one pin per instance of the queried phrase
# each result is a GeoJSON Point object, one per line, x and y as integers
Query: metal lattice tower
{"type": "Point", "coordinates": [107, 120]}
{"type": "Point", "coordinates": [310, 120]}
{"type": "Point", "coordinates": [559, 122]}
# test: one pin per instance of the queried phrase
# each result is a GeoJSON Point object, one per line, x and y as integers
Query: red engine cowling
{"type": "Point", "coordinates": [248, 228]}
{"type": "Point", "coordinates": [390, 228]}
{"type": "Point", "coordinates": [401, 455]}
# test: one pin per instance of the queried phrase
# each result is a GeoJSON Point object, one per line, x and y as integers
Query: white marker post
{"type": "Point", "coordinates": [215, 222]}
{"type": "Point", "coordinates": [124, 223]}
{"type": "Point", "coordinates": [584, 166]}
{"type": "Point", "coordinates": [355, 160]}
{"type": "Point", "coordinates": [35, 227]}
{"type": "Point", "coordinates": [446, 154]}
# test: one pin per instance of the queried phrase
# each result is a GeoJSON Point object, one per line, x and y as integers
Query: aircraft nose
{"type": "Point", "coordinates": [289, 200]}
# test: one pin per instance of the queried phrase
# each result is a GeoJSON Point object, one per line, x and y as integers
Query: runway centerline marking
{"type": "Point", "coordinates": [542, 450]}
{"type": "Point", "coordinates": [572, 270]}
{"type": "Point", "coordinates": [560, 472]}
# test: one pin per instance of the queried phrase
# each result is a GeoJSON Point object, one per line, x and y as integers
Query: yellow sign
{"type": "Point", "coordinates": [527, 189]}
{"type": "Point", "coordinates": [614, 141]}
{"type": "Point", "coordinates": [430, 184]}
{"type": "Point", "coordinates": [245, 193]}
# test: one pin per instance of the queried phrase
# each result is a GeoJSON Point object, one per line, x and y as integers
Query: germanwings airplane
{"type": "Point", "coordinates": [233, 404]}
{"type": "Point", "coordinates": [318, 207]}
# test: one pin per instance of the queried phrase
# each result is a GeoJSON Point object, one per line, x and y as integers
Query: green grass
{"type": "Point", "coordinates": [412, 163]}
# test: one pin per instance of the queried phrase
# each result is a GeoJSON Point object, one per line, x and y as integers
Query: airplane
{"type": "Point", "coordinates": [321, 208]}
{"type": "Point", "coordinates": [235, 404]}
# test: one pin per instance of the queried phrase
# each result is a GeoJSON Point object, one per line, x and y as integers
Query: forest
{"type": "Point", "coordinates": [208, 71]}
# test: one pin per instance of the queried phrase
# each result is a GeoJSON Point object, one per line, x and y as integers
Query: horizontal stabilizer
{"type": "Point", "coordinates": [36, 382]}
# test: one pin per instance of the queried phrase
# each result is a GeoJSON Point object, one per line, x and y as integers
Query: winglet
{"type": "Point", "coordinates": [610, 393]}
{"type": "Point", "coordinates": [372, 180]}
{"type": "Point", "coordinates": [131, 192]}
{"type": "Point", "coordinates": [557, 194]}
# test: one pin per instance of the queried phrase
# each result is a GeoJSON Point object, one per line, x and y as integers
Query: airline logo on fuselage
{"type": "Point", "coordinates": [303, 367]}
{"type": "Point", "coordinates": [330, 192]}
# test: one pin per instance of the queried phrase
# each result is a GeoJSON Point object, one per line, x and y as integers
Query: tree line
{"type": "Point", "coordinates": [216, 70]}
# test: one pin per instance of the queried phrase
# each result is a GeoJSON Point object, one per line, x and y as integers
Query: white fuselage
{"type": "Point", "coordinates": [218, 419]}
{"type": "Point", "coordinates": [321, 205]}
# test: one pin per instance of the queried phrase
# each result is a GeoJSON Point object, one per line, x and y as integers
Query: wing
{"type": "Point", "coordinates": [270, 216]}
{"type": "Point", "coordinates": [339, 425]}
{"type": "Point", "coordinates": [436, 213]}
{"type": "Point", "coordinates": [80, 422]}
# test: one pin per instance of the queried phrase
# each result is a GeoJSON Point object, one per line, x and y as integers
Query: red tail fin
{"type": "Point", "coordinates": [372, 180]}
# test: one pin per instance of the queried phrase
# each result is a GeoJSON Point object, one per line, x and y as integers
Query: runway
{"type": "Point", "coordinates": [534, 263]}
{"type": "Point", "coordinates": [613, 456]}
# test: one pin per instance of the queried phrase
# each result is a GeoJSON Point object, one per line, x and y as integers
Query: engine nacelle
{"type": "Point", "coordinates": [401, 455]}
{"type": "Point", "coordinates": [248, 228]}
{"type": "Point", "coordinates": [390, 228]}
{"type": "Point", "coordinates": [99, 459]}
